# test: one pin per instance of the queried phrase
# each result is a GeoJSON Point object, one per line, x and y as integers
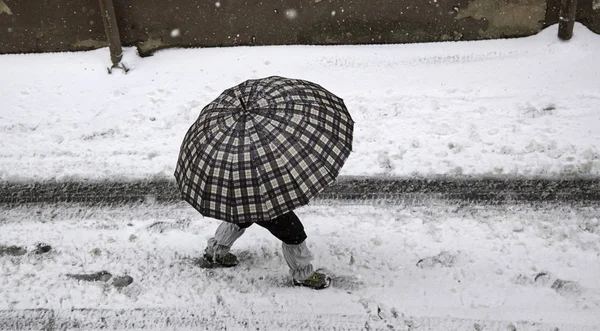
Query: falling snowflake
{"type": "Point", "coordinates": [333, 13]}
{"type": "Point", "coordinates": [291, 13]}
{"type": "Point", "coordinates": [218, 4]}
{"type": "Point", "coordinates": [175, 33]}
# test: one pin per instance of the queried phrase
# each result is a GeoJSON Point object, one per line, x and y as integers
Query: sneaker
{"type": "Point", "coordinates": [228, 260]}
{"type": "Point", "coordinates": [317, 281]}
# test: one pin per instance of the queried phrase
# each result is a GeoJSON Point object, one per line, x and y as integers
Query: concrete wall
{"type": "Point", "coordinates": [66, 25]}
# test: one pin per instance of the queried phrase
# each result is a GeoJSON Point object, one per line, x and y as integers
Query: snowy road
{"type": "Point", "coordinates": [353, 189]}
{"type": "Point", "coordinates": [434, 266]}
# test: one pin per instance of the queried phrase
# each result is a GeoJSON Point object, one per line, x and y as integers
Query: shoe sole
{"type": "Point", "coordinates": [326, 285]}
{"type": "Point", "coordinates": [207, 264]}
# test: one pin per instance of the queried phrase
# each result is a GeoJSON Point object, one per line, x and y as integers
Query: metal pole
{"type": "Point", "coordinates": [568, 11]}
{"type": "Point", "coordinates": [107, 10]}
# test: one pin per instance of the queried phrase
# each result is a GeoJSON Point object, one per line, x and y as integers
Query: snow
{"type": "Point", "coordinates": [488, 260]}
{"type": "Point", "coordinates": [524, 107]}
{"type": "Point", "coordinates": [291, 14]}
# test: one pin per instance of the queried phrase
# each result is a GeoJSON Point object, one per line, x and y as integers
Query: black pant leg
{"type": "Point", "coordinates": [286, 228]}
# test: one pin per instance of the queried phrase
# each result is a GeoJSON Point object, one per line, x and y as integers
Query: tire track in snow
{"type": "Point", "coordinates": [346, 188]}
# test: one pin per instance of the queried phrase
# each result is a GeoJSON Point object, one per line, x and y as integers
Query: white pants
{"type": "Point", "coordinates": [298, 257]}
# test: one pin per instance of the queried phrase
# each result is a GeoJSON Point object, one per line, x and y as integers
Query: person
{"type": "Point", "coordinates": [286, 228]}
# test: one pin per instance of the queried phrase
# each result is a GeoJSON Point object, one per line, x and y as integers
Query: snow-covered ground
{"type": "Point", "coordinates": [519, 107]}
{"type": "Point", "coordinates": [526, 107]}
{"type": "Point", "coordinates": [496, 267]}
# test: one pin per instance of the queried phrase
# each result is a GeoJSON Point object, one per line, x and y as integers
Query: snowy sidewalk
{"type": "Point", "coordinates": [440, 267]}
{"type": "Point", "coordinates": [524, 107]}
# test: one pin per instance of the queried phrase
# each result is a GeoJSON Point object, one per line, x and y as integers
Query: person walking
{"type": "Point", "coordinates": [256, 153]}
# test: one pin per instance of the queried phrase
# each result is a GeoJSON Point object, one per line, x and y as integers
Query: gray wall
{"type": "Point", "coordinates": [68, 25]}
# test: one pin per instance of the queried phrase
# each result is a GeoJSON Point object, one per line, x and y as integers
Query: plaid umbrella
{"type": "Point", "coordinates": [263, 148]}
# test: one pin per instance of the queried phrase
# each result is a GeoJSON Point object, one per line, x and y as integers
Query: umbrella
{"type": "Point", "coordinates": [263, 148]}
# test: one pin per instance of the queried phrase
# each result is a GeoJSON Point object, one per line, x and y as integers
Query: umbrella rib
{"type": "Point", "coordinates": [214, 159]}
{"type": "Point", "coordinates": [256, 169]}
{"type": "Point", "coordinates": [333, 141]}
{"type": "Point", "coordinates": [318, 156]}
{"type": "Point", "coordinates": [333, 138]}
{"type": "Point", "coordinates": [218, 113]}
{"type": "Point", "coordinates": [191, 139]}
{"type": "Point", "coordinates": [299, 189]}
{"type": "Point", "coordinates": [261, 132]}
{"type": "Point", "coordinates": [297, 84]}
{"type": "Point", "coordinates": [344, 116]}
{"type": "Point", "coordinates": [278, 147]}
{"type": "Point", "coordinates": [231, 189]}
{"type": "Point", "coordinates": [335, 101]}
{"type": "Point", "coordinates": [220, 119]}
{"type": "Point", "coordinates": [192, 165]}
{"type": "Point", "coordinates": [266, 92]}
{"type": "Point", "coordinates": [323, 165]}
{"type": "Point", "coordinates": [337, 104]}
{"type": "Point", "coordinates": [220, 107]}
{"type": "Point", "coordinates": [231, 193]}
{"type": "Point", "coordinates": [219, 116]}
{"type": "Point", "coordinates": [286, 111]}
{"type": "Point", "coordinates": [254, 90]}
{"type": "Point", "coordinates": [305, 114]}
{"type": "Point", "coordinates": [230, 92]}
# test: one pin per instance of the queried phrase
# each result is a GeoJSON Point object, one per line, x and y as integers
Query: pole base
{"type": "Point", "coordinates": [117, 66]}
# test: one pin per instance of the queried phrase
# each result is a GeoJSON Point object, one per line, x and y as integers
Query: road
{"type": "Point", "coordinates": [431, 265]}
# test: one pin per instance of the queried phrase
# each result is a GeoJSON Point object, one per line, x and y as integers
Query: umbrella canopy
{"type": "Point", "coordinates": [263, 148]}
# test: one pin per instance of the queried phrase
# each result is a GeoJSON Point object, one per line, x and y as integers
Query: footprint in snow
{"type": "Point", "coordinates": [12, 250]}
{"type": "Point", "coordinates": [40, 248]}
{"type": "Point", "coordinates": [160, 227]}
{"type": "Point", "coordinates": [565, 288]}
{"type": "Point", "coordinates": [103, 276]}
{"type": "Point", "coordinates": [445, 259]}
